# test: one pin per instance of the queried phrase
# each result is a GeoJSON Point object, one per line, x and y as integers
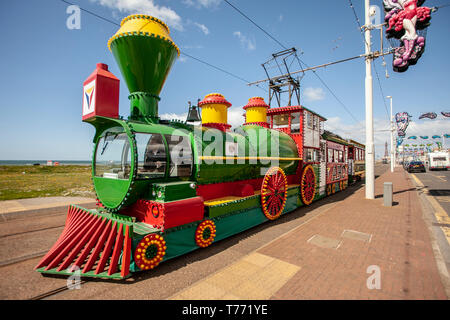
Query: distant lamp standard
{"type": "Point", "coordinates": [392, 138]}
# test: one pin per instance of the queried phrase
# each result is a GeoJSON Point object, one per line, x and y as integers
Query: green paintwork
{"type": "Point", "coordinates": [111, 191]}
{"type": "Point", "coordinates": [90, 274]}
{"type": "Point", "coordinates": [249, 140]}
{"type": "Point", "coordinates": [182, 240]}
{"type": "Point", "coordinates": [145, 63]}
{"type": "Point", "coordinates": [240, 205]}
{"type": "Point", "coordinates": [116, 193]}
{"type": "Point", "coordinates": [171, 191]}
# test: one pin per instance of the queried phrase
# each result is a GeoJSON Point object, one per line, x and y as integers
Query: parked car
{"type": "Point", "coordinates": [416, 166]}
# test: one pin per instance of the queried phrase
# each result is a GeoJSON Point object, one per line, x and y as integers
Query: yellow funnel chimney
{"type": "Point", "coordinates": [256, 112]}
{"type": "Point", "coordinates": [214, 111]}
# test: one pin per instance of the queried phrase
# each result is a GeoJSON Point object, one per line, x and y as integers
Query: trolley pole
{"type": "Point", "coordinates": [370, 152]}
{"type": "Point", "coordinates": [392, 139]}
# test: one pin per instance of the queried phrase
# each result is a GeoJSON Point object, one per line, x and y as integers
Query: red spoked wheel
{"type": "Point", "coordinates": [274, 193]}
{"type": "Point", "coordinates": [150, 251]}
{"type": "Point", "coordinates": [205, 233]}
{"type": "Point", "coordinates": [308, 185]}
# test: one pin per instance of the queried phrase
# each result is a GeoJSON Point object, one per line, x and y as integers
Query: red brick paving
{"type": "Point", "coordinates": [400, 246]}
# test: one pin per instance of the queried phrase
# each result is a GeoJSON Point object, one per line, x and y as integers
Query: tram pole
{"type": "Point", "coordinates": [370, 152]}
{"type": "Point", "coordinates": [392, 139]}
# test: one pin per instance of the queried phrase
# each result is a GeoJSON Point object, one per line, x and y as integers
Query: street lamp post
{"type": "Point", "coordinates": [392, 138]}
{"type": "Point", "coordinates": [370, 152]}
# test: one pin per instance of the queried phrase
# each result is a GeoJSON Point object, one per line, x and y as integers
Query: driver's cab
{"type": "Point", "coordinates": [129, 160]}
{"type": "Point", "coordinates": [158, 156]}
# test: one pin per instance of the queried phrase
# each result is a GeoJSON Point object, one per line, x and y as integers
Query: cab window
{"type": "Point", "coordinates": [152, 157]}
{"type": "Point", "coordinates": [180, 156]}
{"type": "Point", "coordinates": [113, 156]}
{"type": "Point", "coordinates": [295, 122]}
{"type": "Point", "coordinates": [280, 121]}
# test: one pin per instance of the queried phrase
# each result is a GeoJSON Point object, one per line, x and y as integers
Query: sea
{"type": "Point", "coordinates": [43, 162]}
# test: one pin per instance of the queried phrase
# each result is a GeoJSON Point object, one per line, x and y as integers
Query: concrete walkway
{"type": "Point", "coordinates": [13, 208]}
{"type": "Point", "coordinates": [359, 249]}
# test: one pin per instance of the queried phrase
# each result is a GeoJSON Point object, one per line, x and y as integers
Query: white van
{"type": "Point", "coordinates": [438, 160]}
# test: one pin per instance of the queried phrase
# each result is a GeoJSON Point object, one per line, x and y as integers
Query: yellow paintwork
{"type": "Point", "coordinates": [214, 113]}
{"type": "Point", "coordinates": [246, 158]}
{"type": "Point", "coordinates": [256, 114]}
{"type": "Point", "coordinates": [222, 200]}
{"type": "Point", "coordinates": [139, 24]}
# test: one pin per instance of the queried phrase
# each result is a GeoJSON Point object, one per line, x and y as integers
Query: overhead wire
{"type": "Point", "coordinates": [373, 65]}
{"type": "Point", "coordinates": [181, 52]}
{"type": "Point", "coordinates": [300, 60]}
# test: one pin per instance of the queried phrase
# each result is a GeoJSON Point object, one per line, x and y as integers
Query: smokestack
{"type": "Point", "coordinates": [215, 111]}
{"type": "Point", "coordinates": [145, 54]}
{"type": "Point", "coordinates": [256, 112]}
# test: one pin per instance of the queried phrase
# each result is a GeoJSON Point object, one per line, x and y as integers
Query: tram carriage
{"type": "Point", "coordinates": [166, 188]}
{"type": "Point", "coordinates": [356, 161]}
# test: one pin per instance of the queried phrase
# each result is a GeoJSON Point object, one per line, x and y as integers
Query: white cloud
{"type": "Point", "coordinates": [235, 116]}
{"type": "Point", "coordinates": [382, 134]}
{"type": "Point", "coordinates": [202, 27]}
{"type": "Point", "coordinates": [280, 17]}
{"type": "Point", "coordinates": [202, 3]}
{"type": "Point", "coordinates": [173, 116]}
{"type": "Point", "coordinates": [314, 94]}
{"type": "Point", "coordinates": [166, 14]}
{"type": "Point", "coordinates": [247, 43]}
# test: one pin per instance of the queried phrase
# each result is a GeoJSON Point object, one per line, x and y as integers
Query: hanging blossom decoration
{"type": "Point", "coordinates": [404, 18]}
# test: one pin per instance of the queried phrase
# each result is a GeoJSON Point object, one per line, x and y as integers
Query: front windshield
{"type": "Point", "coordinates": [113, 156]}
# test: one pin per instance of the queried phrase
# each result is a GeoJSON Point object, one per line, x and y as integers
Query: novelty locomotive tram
{"type": "Point", "coordinates": [166, 188]}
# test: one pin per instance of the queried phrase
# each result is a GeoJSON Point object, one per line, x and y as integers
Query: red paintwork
{"type": "Point", "coordinates": [105, 254]}
{"type": "Point", "coordinates": [287, 109]}
{"type": "Point", "coordinates": [171, 214]}
{"type": "Point", "coordinates": [344, 172]}
{"type": "Point", "coordinates": [82, 231]}
{"type": "Point", "coordinates": [298, 139]}
{"type": "Point", "coordinates": [335, 146]}
{"type": "Point", "coordinates": [126, 253]}
{"type": "Point", "coordinates": [297, 136]}
{"type": "Point", "coordinates": [243, 190]}
{"type": "Point", "coordinates": [116, 252]}
{"type": "Point", "coordinates": [74, 238]}
{"type": "Point", "coordinates": [89, 246]}
{"type": "Point", "coordinates": [255, 102]}
{"type": "Point", "coordinates": [93, 258]}
{"type": "Point", "coordinates": [224, 189]}
{"type": "Point", "coordinates": [106, 93]}
{"type": "Point", "coordinates": [93, 226]}
{"type": "Point", "coordinates": [218, 126]}
{"type": "Point", "coordinates": [262, 124]}
{"type": "Point", "coordinates": [214, 99]}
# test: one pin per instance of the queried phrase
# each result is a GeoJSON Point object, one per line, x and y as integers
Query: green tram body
{"type": "Point", "coordinates": [230, 218]}
{"type": "Point", "coordinates": [166, 188]}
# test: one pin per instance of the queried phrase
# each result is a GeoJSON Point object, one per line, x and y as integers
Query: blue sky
{"type": "Point", "coordinates": [44, 64]}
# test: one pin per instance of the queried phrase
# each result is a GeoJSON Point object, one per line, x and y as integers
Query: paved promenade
{"type": "Point", "coordinates": [358, 249]}
{"type": "Point", "coordinates": [45, 205]}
